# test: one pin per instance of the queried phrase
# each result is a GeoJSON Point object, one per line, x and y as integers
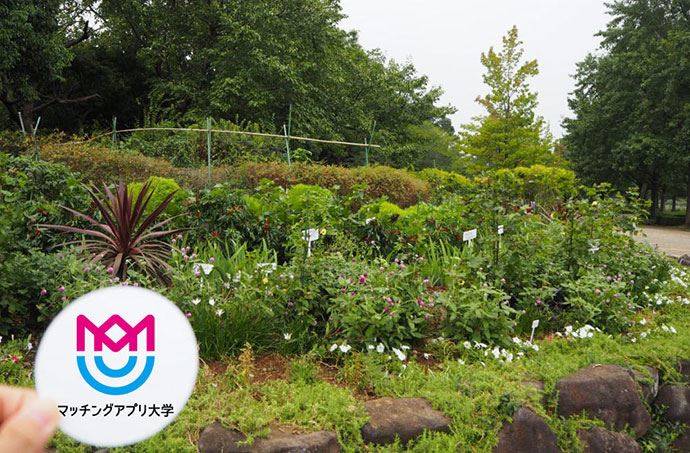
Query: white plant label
{"type": "Point", "coordinates": [310, 235]}
{"type": "Point", "coordinates": [535, 324]}
{"type": "Point", "coordinates": [120, 363]}
{"type": "Point", "coordinates": [469, 235]}
{"type": "Point", "coordinates": [500, 229]}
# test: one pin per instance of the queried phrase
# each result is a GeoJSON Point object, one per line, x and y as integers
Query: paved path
{"type": "Point", "coordinates": [673, 241]}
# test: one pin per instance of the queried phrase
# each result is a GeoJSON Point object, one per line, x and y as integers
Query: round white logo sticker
{"type": "Point", "coordinates": [120, 363]}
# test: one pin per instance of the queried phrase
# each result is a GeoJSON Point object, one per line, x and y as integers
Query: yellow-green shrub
{"type": "Point", "coordinates": [545, 185]}
{"type": "Point", "coordinates": [161, 188]}
{"type": "Point", "coordinates": [443, 182]}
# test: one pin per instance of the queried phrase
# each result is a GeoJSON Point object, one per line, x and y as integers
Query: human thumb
{"type": "Point", "coordinates": [30, 428]}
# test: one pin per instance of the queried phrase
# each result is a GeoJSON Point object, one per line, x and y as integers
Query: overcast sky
{"type": "Point", "coordinates": [445, 38]}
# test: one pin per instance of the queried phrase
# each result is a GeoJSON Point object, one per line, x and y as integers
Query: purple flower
{"type": "Point", "coordinates": [188, 314]}
{"type": "Point", "coordinates": [44, 292]}
{"type": "Point", "coordinates": [110, 270]}
{"type": "Point", "coordinates": [61, 289]}
{"type": "Point", "coordinates": [362, 279]}
{"type": "Point", "coordinates": [539, 301]}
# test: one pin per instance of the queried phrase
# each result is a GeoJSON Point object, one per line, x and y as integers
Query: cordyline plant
{"type": "Point", "coordinates": [125, 235]}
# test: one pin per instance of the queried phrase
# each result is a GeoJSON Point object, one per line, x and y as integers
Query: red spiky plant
{"type": "Point", "coordinates": [124, 235]}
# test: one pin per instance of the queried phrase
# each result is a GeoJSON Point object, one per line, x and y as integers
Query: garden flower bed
{"type": "Point", "coordinates": [310, 305]}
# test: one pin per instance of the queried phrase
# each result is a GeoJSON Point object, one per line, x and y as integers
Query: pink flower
{"type": "Point", "coordinates": [597, 291]}
{"type": "Point", "coordinates": [44, 292]}
{"type": "Point", "coordinates": [188, 314]}
{"type": "Point", "coordinates": [110, 270]}
{"type": "Point", "coordinates": [362, 279]}
{"type": "Point", "coordinates": [61, 289]}
{"type": "Point", "coordinates": [212, 260]}
{"type": "Point", "coordinates": [539, 301]}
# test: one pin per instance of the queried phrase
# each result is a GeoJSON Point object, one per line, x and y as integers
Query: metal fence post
{"type": "Point", "coordinates": [208, 146]}
{"type": "Point", "coordinates": [114, 141]}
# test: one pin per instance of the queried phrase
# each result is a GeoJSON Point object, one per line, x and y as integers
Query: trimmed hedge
{"type": "Point", "coordinates": [101, 164]}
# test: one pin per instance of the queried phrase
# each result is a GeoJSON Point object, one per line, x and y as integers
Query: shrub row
{"type": "Point", "coordinates": [100, 164]}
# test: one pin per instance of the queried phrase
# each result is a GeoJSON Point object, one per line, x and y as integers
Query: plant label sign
{"type": "Point", "coordinates": [500, 230]}
{"type": "Point", "coordinates": [120, 363]}
{"type": "Point", "coordinates": [469, 235]}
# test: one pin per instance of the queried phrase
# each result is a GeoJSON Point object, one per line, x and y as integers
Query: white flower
{"type": "Point", "coordinates": [426, 355]}
{"type": "Point", "coordinates": [205, 267]}
{"type": "Point", "coordinates": [643, 321]}
{"type": "Point", "coordinates": [370, 347]}
{"type": "Point", "coordinates": [467, 345]}
{"type": "Point", "coordinates": [287, 336]}
{"type": "Point", "coordinates": [267, 267]}
{"type": "Point", "coordinates": [196, 301]}
{"type": "Point", "coordinates": [29, 346]}
{"type": "Point", "coordinates": [461, 362]}
{"type": "Point", "coordinates": [220, 312]}
{"type": "Point", "coordinates": [399, 354]}
{"type": "Point", "coordinates": [380, 348]}
{"type": "Point", "coordinates": [479, 345]}
{"type": "Point", "coordinates": [0, 338]}
{"type": "Point", "coordinates": [369, 220]}
{"type": "Point", "coordinates": [237, 277]}
{"type": "Point", "coordinates": [333, 347]}
{"type": "Point", "coordinates": [496, 352]}
{"type": "Point", "coordinates": [404, 348]}
{"type": "Point", "coordinates": [345, 348]}
{"type": "Point", "coordinates": [644, 334]}
{"type": "Point", "coordinates": [212, 302]}
{"type": "Point", "coordinates": [535, 347]}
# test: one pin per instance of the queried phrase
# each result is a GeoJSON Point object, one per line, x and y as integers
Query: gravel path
{"type": "Point", "coordinates": [670, 240]}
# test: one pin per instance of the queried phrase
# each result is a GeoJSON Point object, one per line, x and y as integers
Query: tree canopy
{"type": "Point", "coordinates": [632, 100]}
{"type": "Point", "coordinates": [247, 62]}
{"type": "Point", "coordinates": [511, 133]}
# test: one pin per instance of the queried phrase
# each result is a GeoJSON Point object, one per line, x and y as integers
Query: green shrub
{"type": "Point", "coordinates": [32, 192]}
{"type": "Point", "coordinates": [161, 188]}
{"type": "Point", "coordinates": [101, 164]}
{"type": "Point", "coordinates": [442, 183]}
{"type": "Point", "coordinates": [545, 185]}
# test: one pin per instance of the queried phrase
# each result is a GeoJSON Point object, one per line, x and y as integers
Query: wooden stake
{"type": "Point", "coordinates": [21, 122]}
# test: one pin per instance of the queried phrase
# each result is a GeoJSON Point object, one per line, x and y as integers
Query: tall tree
{"type": "Point", "coordinates": [511, 133]}
{"type": "Point", "coordinates": [36, 41]}
{"type": "Point", "coordinates": [632, 101]}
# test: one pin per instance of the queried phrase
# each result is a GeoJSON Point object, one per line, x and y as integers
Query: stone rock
{"type": "Point", "coordinates": [648, 382]}
{"type": "Point", "coordinates": [527, 433]}
{"type": "Point", "coordinates": [600, 440]}
{"type": "Point", "coordinates": [675, 399]}
{"type": "Point", "coordinates": [683, 442]}
{"type": "Point", "coordinates": [606, 392]}
{"type": "Point", "coordinates": [217, 439]}
{"type": "Point", "coordinates": [406, 418]}
{"type": "Point", "coordinates": [684, 369]}
{"type": "Point", "coordinates": [684, 260]}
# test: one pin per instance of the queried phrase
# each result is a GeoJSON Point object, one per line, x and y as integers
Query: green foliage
{"type": "Point", "coordinates": [631, 122]}
{"type": "Point", "coordinates": [443, 183]}
{"type": "Point", "coordinates": [160, 189]}
{"type": "Point", "coordinates": [545, 185]}
{"type": "Point", "coordinates": [31, 192]}
{"type": "Point", "coordinates": [511, 134]}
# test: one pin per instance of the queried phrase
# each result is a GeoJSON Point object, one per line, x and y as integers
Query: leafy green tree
{"type": "Point", "coordinates": [246, 62]}
{"type": "Point", "coordinates": [632, 101]}
{"type": "Point", "coordinates": [511, 133]}
{"type": "Point", "coordinates": [36, 38]}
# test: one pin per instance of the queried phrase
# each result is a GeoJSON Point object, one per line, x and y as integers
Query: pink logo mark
{"type": "Point", "coordinates": [101, 337]}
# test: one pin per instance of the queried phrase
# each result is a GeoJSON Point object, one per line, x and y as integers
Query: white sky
{"type": "Point", "coordinates": [445, 38]}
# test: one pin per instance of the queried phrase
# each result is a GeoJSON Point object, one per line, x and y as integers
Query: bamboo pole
{"type": "Point", "coordinates": [114, 142]}
{"type": "Point", "coordinates": [223, 131]}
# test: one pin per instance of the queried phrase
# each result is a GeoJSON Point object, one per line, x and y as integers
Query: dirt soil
{"type": "Point", "coordinates": [671, 240]}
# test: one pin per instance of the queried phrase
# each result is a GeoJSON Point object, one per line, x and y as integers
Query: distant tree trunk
{"type": "Point", "coordinates": [673, 203]}
{"type": "Point", "coordinates": [662, 200]}
{"type": "Point", "coordinates": [654, 186]}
